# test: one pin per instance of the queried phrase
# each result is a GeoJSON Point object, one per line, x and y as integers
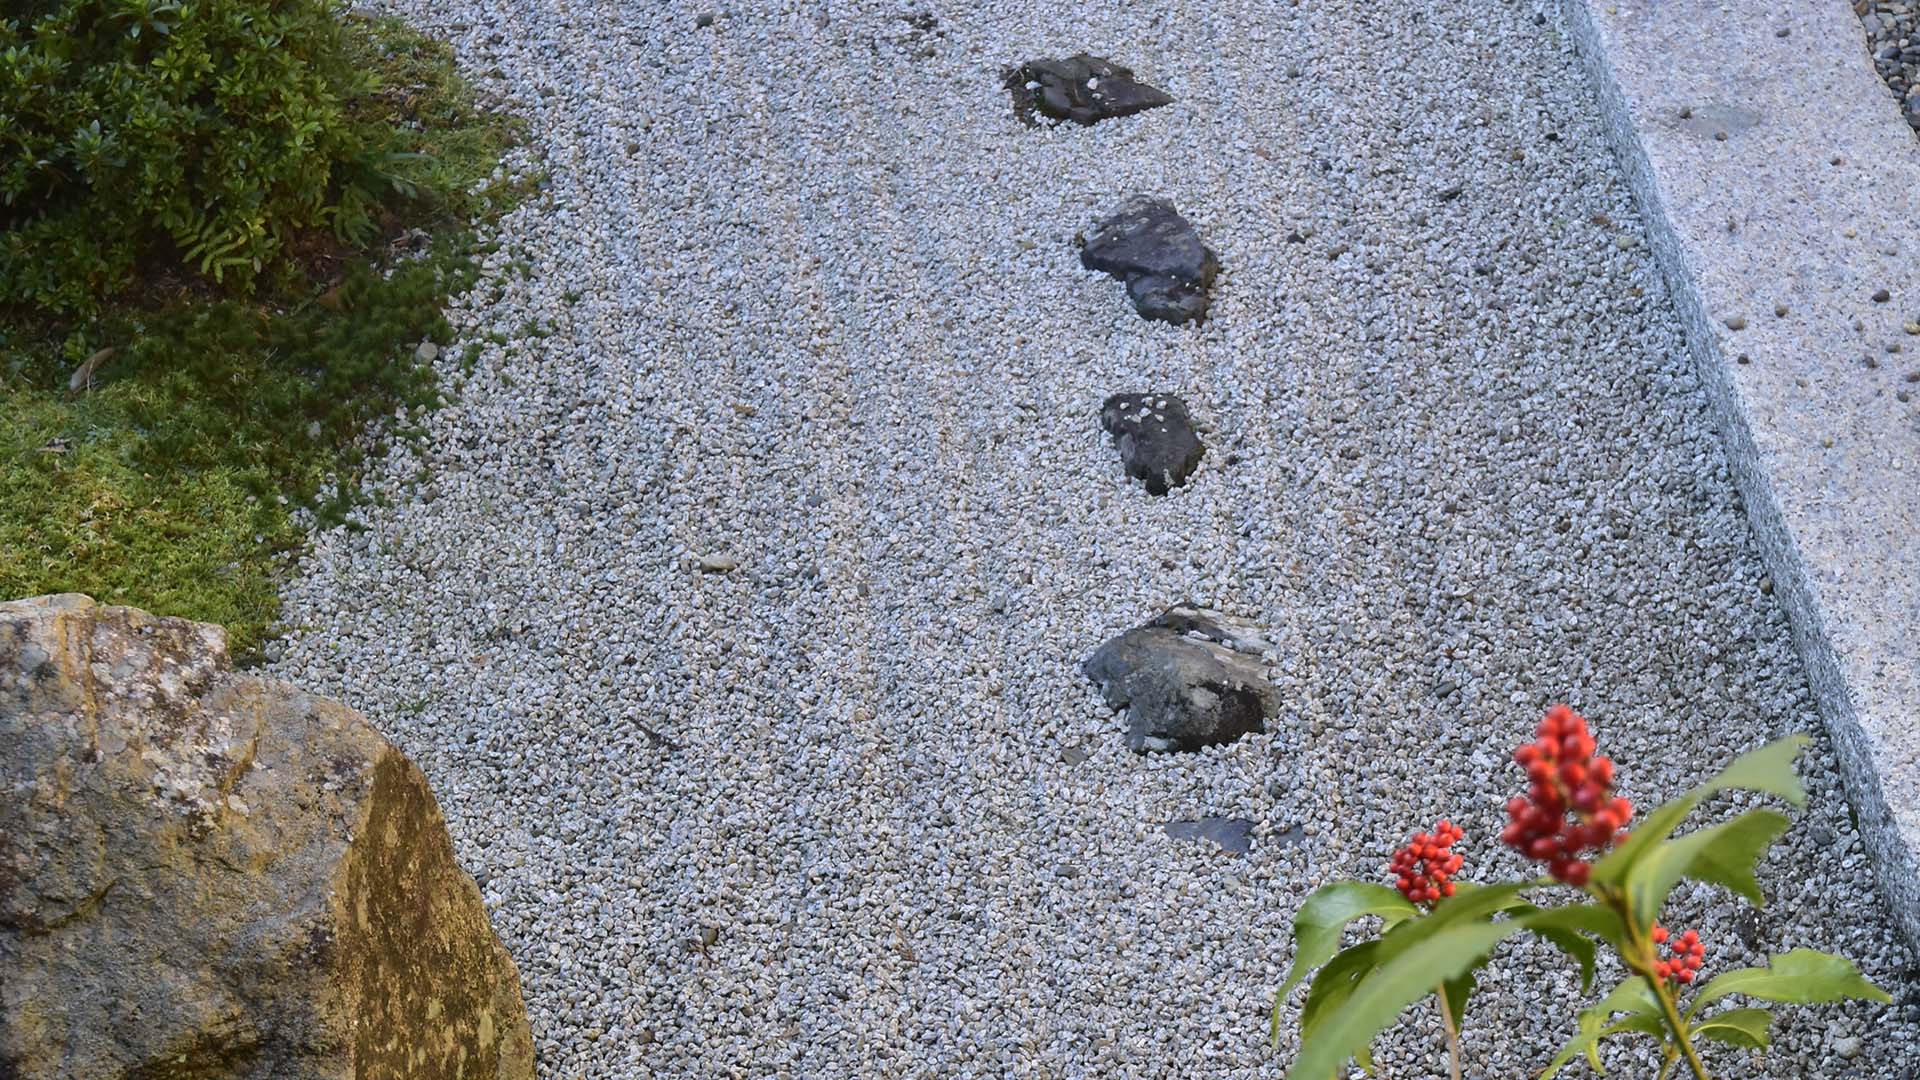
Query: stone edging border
{"type": "Point", "coordinates": [1781, 190]}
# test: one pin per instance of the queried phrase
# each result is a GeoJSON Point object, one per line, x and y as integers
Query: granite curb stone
{"type": "Point", "coordinates": [1782, 194]}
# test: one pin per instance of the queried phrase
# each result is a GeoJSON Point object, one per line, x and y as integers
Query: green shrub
{"type": "Point", "coordinates": [155, 444]}
{"type": "Point", "coordinates": [137, 134]}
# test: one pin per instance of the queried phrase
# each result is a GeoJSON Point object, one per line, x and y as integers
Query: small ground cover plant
{"type": "Point", "coordinates": [1437, 932]}
{"type": "Point", "coordinates": [225, 228]}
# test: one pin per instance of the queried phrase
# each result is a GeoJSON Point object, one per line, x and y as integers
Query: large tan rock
{"type": "Point", "coordinates": [212, 875]}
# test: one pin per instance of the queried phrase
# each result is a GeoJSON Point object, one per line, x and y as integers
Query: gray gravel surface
{"type": "Point", "coordinates": [849, 807]}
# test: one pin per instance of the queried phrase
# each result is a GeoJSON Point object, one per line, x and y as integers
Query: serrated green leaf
{"type": "Point", "coordinates": [1723, 854]}
{"type": "Point", "coordinates": [1318, 924]}
{"type": "Point", "coordinates": [1470, 905]}
{"type": "Point", "coordinates": [1737, 1027]}
{"type": "Point", "coordinates": [1800, 977]}
{"type": "Point", "coordinates": [1768, 770]}
{"type": "Point", "coordinates": [1729, 858]}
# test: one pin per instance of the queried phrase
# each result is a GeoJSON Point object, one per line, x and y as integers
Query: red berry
{"type": "Point", "coordinates": [1422, 868]}
{"type": "Point", "coordinates": [1659, 935]}
{"type": "Point", "coordinates": [1568, 809]}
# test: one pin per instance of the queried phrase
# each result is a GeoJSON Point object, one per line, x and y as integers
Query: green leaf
{"type": "Point", "coordinates": [1768, 770]}
{"type": "Point", "coordinates": [1737, 1027]}
{"type": "Point", "coordinates": [1557, 926]}
{"type": "Point", "coordinates": [1431, 960]}
{"type": "Point", "coordinates": [1723, 854]}
{"type": "Point", "coordinates": [1324, 916]}
{"type": "Point", "coordinates": [1642, 1014]}
{"type": "Point", "coordinates": [1471, 903]}
{"type": "Point", "coordinates": [1332, 987]}
{"type": "Point", "coordinates": [1470, 906]}
{"type": "Point", "coordinates": [1800, 977]}
{"type": "Point", "coordinates": [1729, 856]}
{"type": "Point", "coordinates": [1586, 918]}
{"type": "Point", "coordinates": [1566, 928]}
{"type": "Point", "coordinates": [1459, 990]}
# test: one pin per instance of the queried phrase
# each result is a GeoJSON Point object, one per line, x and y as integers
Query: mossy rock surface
{"type": "Point", "coordinates": [212, 875]}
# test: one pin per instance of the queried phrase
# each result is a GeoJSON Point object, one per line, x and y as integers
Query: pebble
{"type": "Point", "coordinates": [1881, 296]}
{"type": "Point", "coordinates": [1736, 322]}
{"type": "Point", "coordinates": [855, 772]}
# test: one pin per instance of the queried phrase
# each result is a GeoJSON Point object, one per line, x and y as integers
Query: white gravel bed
{"type": "Point", "coordinates": [812, 304]}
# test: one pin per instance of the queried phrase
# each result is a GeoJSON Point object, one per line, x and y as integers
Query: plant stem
{"type": "Point", "coordinates": [1453, 1032]}
{"type": "Point", "coordinates": [1681, 1036]}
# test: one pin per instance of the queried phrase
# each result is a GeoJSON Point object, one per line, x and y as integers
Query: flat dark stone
{"type": "Point", "coordinates": [1148, 245]}
{"type": "Point", "coordinates": [1155, 438]}
{"type": "Point", "coordinates": [1232, 835]}
{"type": "Point", "coordinates": [1081, 88]}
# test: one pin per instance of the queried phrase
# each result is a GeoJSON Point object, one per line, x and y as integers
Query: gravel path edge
{"type": "Point", "coordinates": [1778, 218]}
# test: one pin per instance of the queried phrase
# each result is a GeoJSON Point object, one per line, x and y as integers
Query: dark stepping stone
{"type": "Point", "coordinates": [1155, 438]}
{"type": "Point", "coordinates": [1148, 245]}
{"type": "Point", "coordinates": [1183, 689]}
{"type": "Point", "coordinates": [1231, 835]}
{"type": "Point", "coordinates": [1084, 89]}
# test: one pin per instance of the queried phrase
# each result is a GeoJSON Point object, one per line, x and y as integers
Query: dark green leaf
{"type": "Point", "coordinates": [1800, 977]}
{"type": "Point", "coordinates": [1737, 1027]}
{"type": "Point", "coordinates": [1394, 984]}
{"type": "Point", "coordinates": [1472, 903]}
{"type": "Point", "coordinates": [1586, 918]}
{"type": "Point", "coordinates": [1768, 769]}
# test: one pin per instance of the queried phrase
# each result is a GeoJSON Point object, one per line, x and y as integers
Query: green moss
{"type": "Point", "coordinates": [169, 483]}
{"type": "Point", "coordinates": [83, 514]}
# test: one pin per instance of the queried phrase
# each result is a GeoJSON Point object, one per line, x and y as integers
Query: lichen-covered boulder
{"type": "Point", "coordinates": [211, 875]}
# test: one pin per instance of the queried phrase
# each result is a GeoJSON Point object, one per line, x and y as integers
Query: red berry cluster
{"type": "Point", "coordinates": [1688, 955]}
{"type": "Point", "coordinates": [1564, 777]}
{"type": "Point", "coordinates": [1425, 867]}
